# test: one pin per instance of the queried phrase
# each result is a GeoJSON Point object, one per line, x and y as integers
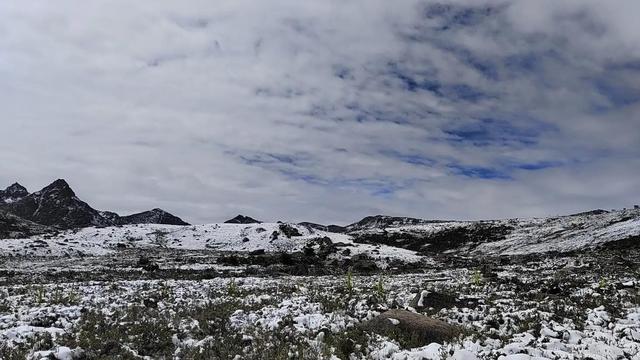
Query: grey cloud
{"type": "Point", "coordinates": [324, 111]}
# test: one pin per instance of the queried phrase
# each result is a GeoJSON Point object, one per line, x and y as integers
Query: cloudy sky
{"type": "Point", "coordinates": [324, 111]}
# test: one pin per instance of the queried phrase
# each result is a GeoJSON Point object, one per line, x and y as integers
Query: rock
{"type": "Point", "coordinates": [150, 303]}
{"type": "Point", "coordinates": [289, 231]}
{"type": "Point", "coordinates": [412, 328]}
{"type": "Point", "coordinates": [363, 264]}
{"type": "Point", "coordinates": [146, 264]}
{"type": "Point", "coordinates": [428, 299]}
{"type": "Point", "coordinates": [257, 252]}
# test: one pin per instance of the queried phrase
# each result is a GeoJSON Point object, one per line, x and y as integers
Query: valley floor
{"type": "Point", "coordinates": [172, 304]}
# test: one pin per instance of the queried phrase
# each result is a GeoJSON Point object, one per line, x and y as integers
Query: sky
{"type": "Point", "coordinates": [324, 111]}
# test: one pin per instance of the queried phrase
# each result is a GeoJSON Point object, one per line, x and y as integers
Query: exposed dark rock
{"type": "Point", "coordinates": [12, 226]}
{"type": "Point", "coordinates": [437, 241]}
{"type": "Point", "coordinates": [327, 228]}
{"type": "Point", "coordinates": [361, 263]}
{"type": "Point", "coordinates": [242, 219]}
{"type": "Point", "coordinates": [383, 221]}
{"type": "Point", "coordinates": [289, 231]}
{"type": "Point", "coordinates": [428, 299]}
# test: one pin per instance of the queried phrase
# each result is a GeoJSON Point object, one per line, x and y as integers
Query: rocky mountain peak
{"type": "Point", "coordinates": [13, 193]}
{"type": "Point", "coordinates": [154, 216]}
{"type": "Point", "coordinates": [16, 189]}
{"type": "Point", "coordinates": [57, 205]}
{"type": "Point", "coordinates": [242, 219]}
{"type": "Point", "coordinates": [59, 187]}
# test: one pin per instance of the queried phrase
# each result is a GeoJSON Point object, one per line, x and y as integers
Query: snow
{"type": "Point", "coordinates": [220, 237]}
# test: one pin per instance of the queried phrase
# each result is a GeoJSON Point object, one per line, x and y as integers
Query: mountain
{"type": "Point", "coordinates": [155, 216]}
{"type": "Point", "coordinates": [241, 219]}
{"type": "Point", "coordinates": [12, 226]}
{"type": "Point", "coordinates": [58, 206]}
{"type": "Point", "coordinates": [13, 193]}
{"type": "Point", "coordinates": [492, 237]}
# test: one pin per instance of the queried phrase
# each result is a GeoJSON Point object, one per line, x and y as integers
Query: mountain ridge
{"type": "Point", "coordinates": [56, 205]}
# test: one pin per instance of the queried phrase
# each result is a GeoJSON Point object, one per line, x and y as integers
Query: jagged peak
{"type": "Point", "coordinates": [61, 186]}
{"type": "Point", "coordinates": [16, 189]}
{"type": "Point", "coordinates": [16, 186]}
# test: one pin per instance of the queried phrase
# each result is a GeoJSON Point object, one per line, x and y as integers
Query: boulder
{"type": "Point", "coordinates": [411, 329]}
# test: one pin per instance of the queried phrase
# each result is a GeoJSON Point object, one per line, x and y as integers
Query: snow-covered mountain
{"type": "Point", "coordinates": [400, 239]}
{"type": "Point", "coordinates": [496, 237]}
{"type": "Point", "coordinates": [57, 206]}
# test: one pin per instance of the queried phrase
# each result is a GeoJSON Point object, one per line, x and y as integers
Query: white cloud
{"type": "Point", "coordinates": [324, 111]}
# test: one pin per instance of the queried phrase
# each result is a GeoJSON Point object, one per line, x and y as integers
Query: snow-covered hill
{"type": "Point", "coordinates": [270, 237]}
{"type": "Point", "coordinates": [380, 238]}
{"type": "Point", "coordinates": [507, 237]}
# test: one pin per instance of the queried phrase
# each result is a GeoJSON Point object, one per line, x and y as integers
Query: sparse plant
{"type": "Point", "coordinates": [349, 283]}
{"type": "Point", "coordinates": [232, 288]}
{"type": "Point", "coordinates": [61, 297]}
{"type": "Point", "coordinates": [39, 294]}
{"type": "Point", "coordinates": [476, 278]}
{"type": "Point", "coordinates": [160, 238]}
{"type": "Point", "coordinates": [378, 289]}
{"type": "Point", "coordinates": [602, 283]}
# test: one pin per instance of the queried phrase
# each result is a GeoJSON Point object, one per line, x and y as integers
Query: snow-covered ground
{"type": "Point", "coordinates": [209, 292]}
{"type": "Point", "coordinates": [514, 315]}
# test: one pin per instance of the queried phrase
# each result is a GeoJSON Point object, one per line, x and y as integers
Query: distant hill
{"type": "Point", "coordinates": [242, 219]}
